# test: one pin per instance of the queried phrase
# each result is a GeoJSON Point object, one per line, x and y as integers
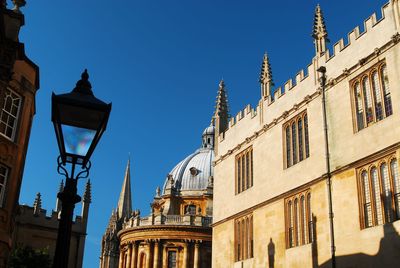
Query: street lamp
{"type": "Point", "coordinates": [11, 49]}
{"type": "Point", "coordinates": [79, 120]}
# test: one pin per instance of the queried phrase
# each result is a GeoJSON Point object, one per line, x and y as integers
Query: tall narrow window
{"type": "Point", "coordinates": [290, 226]}
{"type": "Point", "coordinates": [377, 96]}
{"type": "Point", "coordinates": [297, 219]}
{"type": "Point", "coordinates": [296, 139]}
{"type": "Point", "coordinates": [372, 101]}
{"type": "Point", "coordinates": [359, 106]}
{"type": "Point", "coordinates": [367, 199]}
{"type": "Point", "coordinates": [244, 238]}
{"type": "Point", "coordinates": [306, 135]}
{"type": "Point", "coordinates": [294, 143]}
{"type": "Point", "coordinates": [9, 114]}
{"type": "Point", "coordinates": [3, 182]}
{"type": "Point", "coordinates": [377, 195]}
{"type": "Point", "coordinates": [288, 146]}
{"type": "Point", "coordinates": [367, 100]}
{"type": "Point", "coordinates": [387, 193]}
{"type": "Point", "coordinates": [300, 135]}
{"type": "Point", "coordinates": [396, 185]}
{"type": "Point", "coordinates": [386, 91]}
{"type": "Point", "coordinates": [244, 170]}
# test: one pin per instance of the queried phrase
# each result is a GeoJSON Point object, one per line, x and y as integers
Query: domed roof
{"type": "Point", "coordinates": [193, 172]}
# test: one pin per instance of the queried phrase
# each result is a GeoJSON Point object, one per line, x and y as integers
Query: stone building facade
{"type": "Point", "coordinates": [19, 81]}
{"type": "Point", "coordinates": [34, 228]}
{"type": "Point", "coordinates": [311, 174]}
{"type": "Point", "coordinates": [178, 231]}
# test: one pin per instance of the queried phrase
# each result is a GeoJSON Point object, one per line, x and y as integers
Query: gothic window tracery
{"type": "Point", "coordinates": [371, 96]}
{"type": "Point", "coordinates": [244, 170]}
{"type": "Point", "coordinates": [296, 140]}
{"type": "Point", "coordinates": [244, 242]}
{"type": "Point", "coordinates": [379, 186]}
{"type": "Point", "coordinates": [298, 219]}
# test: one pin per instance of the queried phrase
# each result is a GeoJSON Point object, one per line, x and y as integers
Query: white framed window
{"type": "Point", "coordinates": [9, 114]}
{"type": "Point", "coordinates": [4, 171]}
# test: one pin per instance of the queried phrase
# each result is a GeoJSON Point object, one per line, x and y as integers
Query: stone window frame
{"type": "Point", "coordinates": [244, 175]}
{"type": "Point", "coordinates": [300, 142]}
{"type": "Point", "coordinates": [376, 205]}
{"type": "Point", "coordinates": [4, 173]}
{"type": "Point", "coordinates": [244, 238]}
{"type": "Point", "coordinates": [298, 219]}
{"type": "Point", "coordinates": [13, 113]}
{"type": "Point", "coordinates": [364, 97]}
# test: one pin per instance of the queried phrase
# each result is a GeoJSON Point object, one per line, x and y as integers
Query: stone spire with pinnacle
{"type": "Point", "coordinates": [124, 208]}
{"type": "Point", "coordinates": [319, 34]}
{"type": "Point", "coordinates": [87, 196]}
{"type": "Point", "coordinates": [266, 77]}
{"type": "Point", "coordinates": [37, 205]}
{"type": "Point", "coordinates": [221, 114]}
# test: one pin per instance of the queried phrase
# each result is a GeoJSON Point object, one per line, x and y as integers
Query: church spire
{"type": "Point", "coordinates": [58, 201]}
{"type": "Point", "coordinates": [87, 196]}
{"type": "Point", "coordinates": [266, 77]}
{"type": "Point", "coordinates": [125, 198]}
{"type": "Point", "coordinates": [319, 34]}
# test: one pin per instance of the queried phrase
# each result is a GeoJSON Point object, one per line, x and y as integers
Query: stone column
{"type": "Point", "coordinates": [156, 254]}
{"type": "Point", "coordinates": [134, 255]}
{"type": "Point", "coordinates": [185, 255]}
{"type": "Point", "coordinates": [196, 255]}
{"type": "Point", "coordinates": [121, 258]}
{"type": "Point", "coordinates": [129, 256]}
{"type": "Point", "coordinates": [148, 255]}
{"type": "Point", "coordinates": [164, 257]}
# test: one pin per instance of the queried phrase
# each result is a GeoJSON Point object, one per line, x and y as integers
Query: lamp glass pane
{"type": "Point", "coordinates": [77, 140]}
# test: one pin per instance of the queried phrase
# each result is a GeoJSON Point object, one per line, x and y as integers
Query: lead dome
{"type": "Point", "coordinates": [194, 172]}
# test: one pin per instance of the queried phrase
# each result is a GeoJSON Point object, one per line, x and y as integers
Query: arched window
{"type": "Point", "coordinates": [367, 199]}
{"type": "Point", "coordinates": [297, 220]}
{"type": "Point", "coordinates": [9, 114]}
{"type": "Point", "coordinates": [294, 143]}
{"type": "Point", "coordinates": [386, 91]}
{"type": "Point", "coordinates": [244, 170]}
{"type": "Point", "coordinates": [359, 106]}
{"type": "Point", "coordinates": [309, 223]}
{"type": "Point", "coordinates": [251, 254]}
{"type": "Point", "coordinates": [367, 100]}
{"type": "Point", "coordinates": [300, 136]}
{"type": "Point", "coordinates": [303, 220]}
{"type": "Point", "coordinates": [372, 101]}
{"type": "Point", "coordinates": [377, 195]}
{"type": "Point", "coordinates": [290, 225]}
{"type": "Point", "coordinates": [288, 146]}
{"type": "Point", "coordinates": [387, 193]}
{"type": "Point", "coordinates": [396, 185]}
{"type": "Point", "coordinates": [306, 136]}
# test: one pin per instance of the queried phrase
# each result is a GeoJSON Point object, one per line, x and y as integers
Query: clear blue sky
{"type": "Point", "coordinates": [159, 63]}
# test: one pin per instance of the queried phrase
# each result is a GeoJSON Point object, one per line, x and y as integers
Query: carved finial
{"type": "Point", "coordinates": [266, 77]}
{"type": "Point", "coordinates": [158, 191]}
{"type": "Point", "coordinates": [221, 114]}
{"type": "Point", "coordinates": [37, 205]}
{"type": "Point", "coordinates": [87, 196]}
{"type": "Point", "coordinates": [17, 5]}
{"type": "Point", "coordinates": [83, 86]}
{"type": "Point", "coordinates": [319, 33]}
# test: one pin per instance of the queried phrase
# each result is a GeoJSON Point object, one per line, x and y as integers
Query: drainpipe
{"type": "Point", "coordinates": [322, 70]}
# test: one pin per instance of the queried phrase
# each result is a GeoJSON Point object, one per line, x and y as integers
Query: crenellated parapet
{"type": "Point", "coordinates": [379, 33]}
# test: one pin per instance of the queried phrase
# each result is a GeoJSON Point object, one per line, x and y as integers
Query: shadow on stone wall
{"type": "Point", "coordinates": [388, 255]}
{"type": "Point", "coordinates": [271, 254]}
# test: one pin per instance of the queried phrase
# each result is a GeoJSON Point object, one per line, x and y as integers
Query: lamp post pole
{"type": "Point", "coordinates": [69, 198]}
